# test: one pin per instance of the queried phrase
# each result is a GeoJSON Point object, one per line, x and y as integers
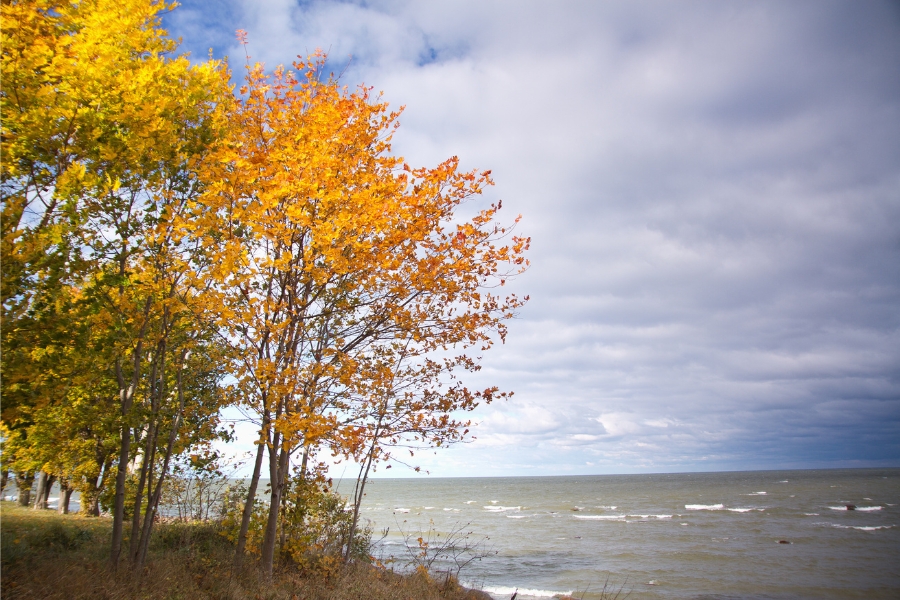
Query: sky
{"type": "Point", "coordinates": [712, 190]}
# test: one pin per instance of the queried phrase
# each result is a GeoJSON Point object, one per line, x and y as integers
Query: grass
{"type": "Point", "coordinates": [51, 556]}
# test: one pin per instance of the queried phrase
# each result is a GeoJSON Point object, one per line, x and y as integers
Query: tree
{"type": "Point", "coordinates": [159, 233]}
{"type": "Point", "coordinates": [102, 131]}
{"type": "Point", "coordinates": [324, 247]}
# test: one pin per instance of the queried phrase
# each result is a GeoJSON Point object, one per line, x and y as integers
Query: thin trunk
{"type": "Point", "coordinates": [126, 396]}
{"type": "Point", "coordinates": [283, 534]}
{"type": "Point", "coordinates": [4, 478]}
{"type": "Point", "coordinates": [150, 449]}
{"type": "Point", "coordinates": [251, 494]}
{"type": "Point", "coordinates": [39, 494]}
{"type": "Point", "coordinates": [278, 466]}
{"type": "Point", "coordinates": [149, 441]}
{"type": "Point", "coordinates": [153, 501]}
{"type": "Point", "coordinates": [359, 492]}
{"type": "Point", "coordinates": [103, 480]}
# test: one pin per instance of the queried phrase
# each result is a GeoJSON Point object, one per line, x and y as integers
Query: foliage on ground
{"type": "Point", "coordinates": [51, 556]}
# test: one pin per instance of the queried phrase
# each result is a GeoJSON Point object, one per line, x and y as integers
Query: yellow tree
{"type": "Point", "coordinates": [102, 130]}
{"type": "Point", "coordinates": [322, 246]}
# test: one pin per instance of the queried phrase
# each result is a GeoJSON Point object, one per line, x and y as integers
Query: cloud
{"type": "Point", "coordinates": [712, 195]}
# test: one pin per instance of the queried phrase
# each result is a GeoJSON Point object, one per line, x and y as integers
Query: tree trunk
{"type": "Point", "coordinates": [24, 481]}
{"type": "Point", "coordinates": [65, 495]}
{"type": "Point", "coordinates": [90, 497]}
{"type": "Point", "coordinates": [251, 494]}
{"type": "Point", "coordinates": [39, 495]}
{"type": "Point", "coordinates": [153, 500]}
{"type": "Point", "coordinates": [47, 488]}
{"type": "Point", "coordinates": [278, 466]}
{"type": "Point", "coordinates": [359, 492]}
{"type": "Point", "coordinates": [4, 478]}
{"type": "Point", "coordinates": [146, 462]}
{"type": "Point", "coordinates": [126, 396]}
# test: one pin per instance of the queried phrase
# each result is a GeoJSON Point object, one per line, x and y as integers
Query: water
{"type": "Point", "coordinates": [668, 536]}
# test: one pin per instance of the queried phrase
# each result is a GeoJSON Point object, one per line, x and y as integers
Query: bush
{"type": "Point", "coordinates": [314, 527]}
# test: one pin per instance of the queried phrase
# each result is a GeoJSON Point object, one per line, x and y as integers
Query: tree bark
{"type": "Point", "coordinates": [126, 396]}
{"type": "Point", "coordinates": [359, 492]}
{"type": "Point", "coordinates": [24, 481]}
{"type": "Point", "coordinates": [47, 488]}
{"type": "Point", "coordinates": [251, 494]}
{"type": "Point", "coordinates": [39, 494]}
{"type": "Point", "coordinates": [153, 500]}
{"type": "Point", "coordinates": [65, 496]}
{"type": "Point", "coordinates": [146, 462]}
{"type": "Point", "coordinates": [278, 466]}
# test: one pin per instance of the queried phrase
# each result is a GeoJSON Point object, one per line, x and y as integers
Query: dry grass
{"type": "Point", "coordinates": [46, 555]}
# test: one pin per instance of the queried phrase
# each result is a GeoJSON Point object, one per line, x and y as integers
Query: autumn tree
{"type": "Point", "coordinates": [102, 132]}
{"type": "Point", "coordinates": [324, 247]}
{"type": "Point", "coordinates": [160, 233]}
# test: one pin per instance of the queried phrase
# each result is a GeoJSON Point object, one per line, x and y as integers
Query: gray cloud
{"type": "Point", "coordinates": [713, 192]}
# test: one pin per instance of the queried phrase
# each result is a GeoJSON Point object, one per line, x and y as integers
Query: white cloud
{"type": "Point", "coordinates": [712, 195]}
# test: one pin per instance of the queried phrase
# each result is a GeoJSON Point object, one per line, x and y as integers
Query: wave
{"type": "Point", "coordinates": [518, 516]}
{"type": "Point", "coordinates": [502, 590]}
{"type": "Point", "coordinates": [743, 510]}
{"type": "Point", "coordinates": [650, 516]}
{"type": "Point", "coordinates": [704, 506]}
{"type": "Point", "coordinates": [501, 508]}
{"type": "Point", "coordinates": [868, 508]}
{"type": "Point", "coordinates": [401, 510]}
{"type": "Point", "coordinates": [471, 501]}
{"type": "Point", "coordinates": [601, 517]}
{"type": "Point", "coordinates": [756, 494]}
{"type": "Point", "coordinates": [452, 509]}
{"type": "Point", "coordinates": [811, 514]}
{"type": "Point", "coordinates": [859, 527]}
{"type": "Point", "coordinates": [838, 508]}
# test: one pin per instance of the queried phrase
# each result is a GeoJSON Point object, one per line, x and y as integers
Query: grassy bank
{"type": "Point", "coordinates": [48, 555]}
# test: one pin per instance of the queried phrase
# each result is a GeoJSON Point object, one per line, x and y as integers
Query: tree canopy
{"type": "Point", "coordinates": [172, 246]}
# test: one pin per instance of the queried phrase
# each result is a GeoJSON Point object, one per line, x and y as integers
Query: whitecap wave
{"type": "Point", "coordinates": [452, 509]}
{"type": "Point", "coordinates": [501, 508]}
{"type": "Point", "coordinates": [502, 590]}
{"type": "Point", "coordinates": [859, 527]}
{"type": "Point", "coordinates": [740, 510]}
{"type": "Point", "coordinates": [601, 517]}
{"type": "Point", "coordinates": [756, 494]}
{"type": "Point", "coordinates": [471, 501]}
{"type": "Point", "coordinates": [518, 516]}
{"type": "Point", "coordinates": [811, 514]}
{"type": "Point", "coordinates": [868, 508]}
{"type": "Point", "coordinates": [704, 506]}
{"type": "Point", "coordinates": [838, 507]}
{"type": "Point", "coordinates": [650, 516]}
{"type": "Point", "coordinates": [401, 510]}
